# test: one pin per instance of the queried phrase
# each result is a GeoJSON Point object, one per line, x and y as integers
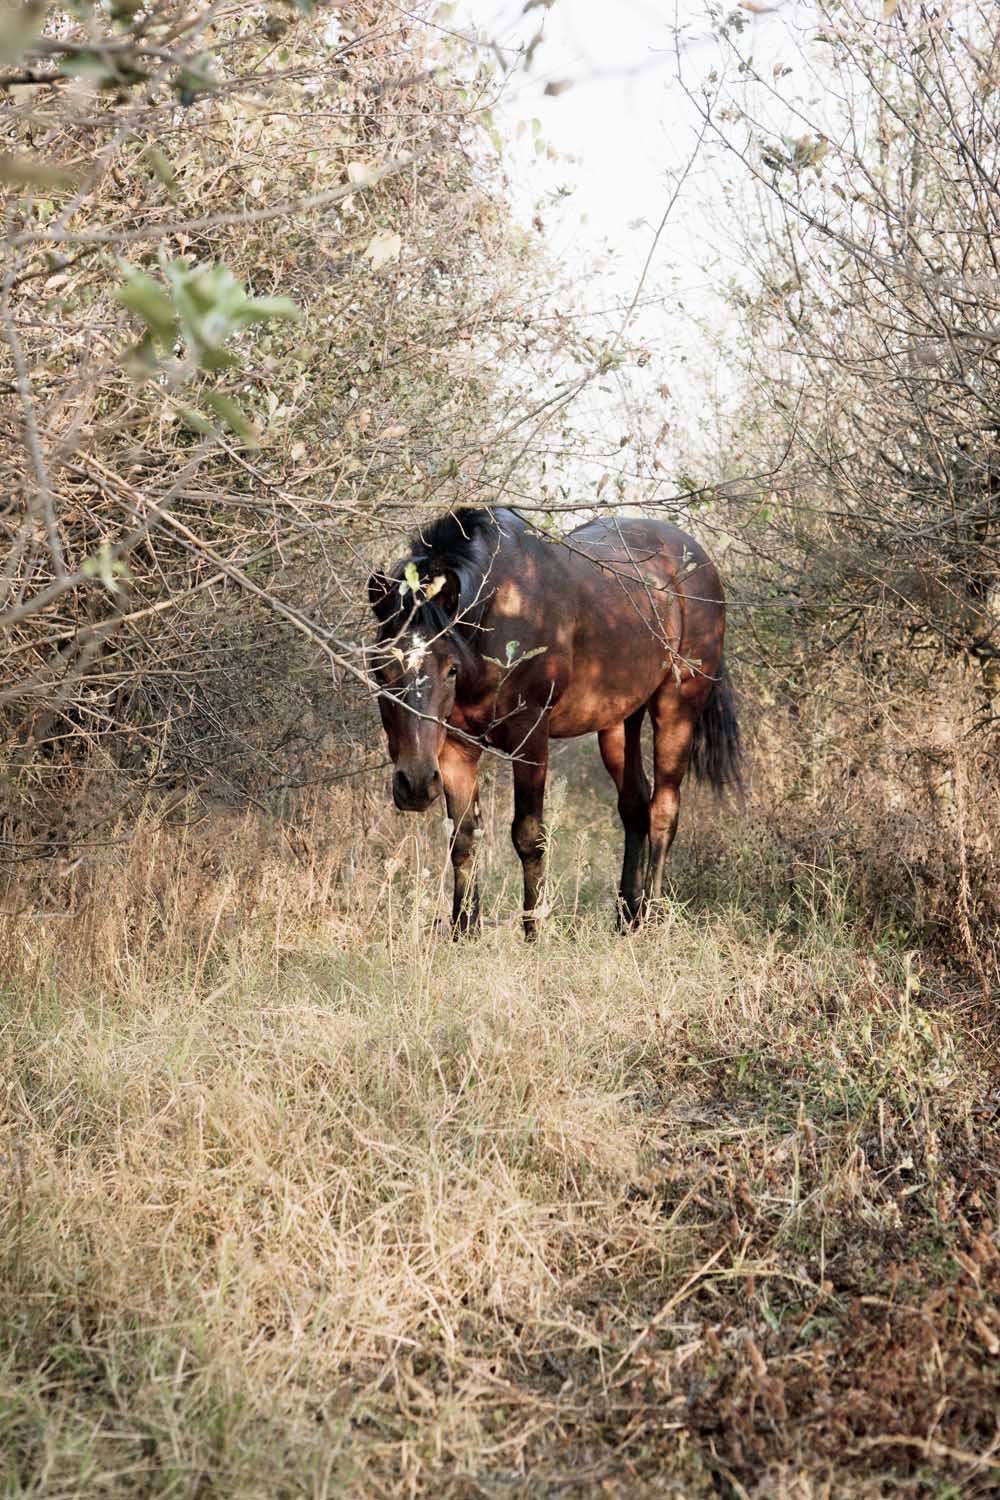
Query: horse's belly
{"type": "Point", "coordinates": [586, 708]}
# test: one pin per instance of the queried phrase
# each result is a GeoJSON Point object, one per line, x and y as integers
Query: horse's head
{"type": "Point", "coordinates": [417, 663]}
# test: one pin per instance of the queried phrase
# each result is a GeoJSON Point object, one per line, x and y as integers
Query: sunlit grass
{"type": "Point", "coordinates": [303, 1198]}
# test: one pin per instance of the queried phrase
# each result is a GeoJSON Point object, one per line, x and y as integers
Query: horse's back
{"type": "Point", "coordinates": [651, 605]}
{"type": "Point", "coordinates": [650, 546]}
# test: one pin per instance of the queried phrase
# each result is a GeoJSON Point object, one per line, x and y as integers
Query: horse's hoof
{"type": "Point", "coordinates": [460, 931]}
{"type": "Point", "coordinates": [627, 920]}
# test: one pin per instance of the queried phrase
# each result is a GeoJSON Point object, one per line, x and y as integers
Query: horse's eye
{"type": "Point", "coordinates": [452, 670]}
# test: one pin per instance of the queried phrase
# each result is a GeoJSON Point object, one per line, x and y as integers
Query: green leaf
{"type": "Point", "coordinates": [411, 578]}
{"type": "Point", "coordinates": [232, 415]}
{"type": "Point", "coordinates": [144, 296]}
{"type": "Point", "coordinates": [90, 66]}
{"type": "Point", "coordinates": [197, 78]}
{"type": "Point", "coordinates": [160, 165]}
{"type": "Point", "coordinates": [105, 567]}
{"type": "Point", "coordinates": [512, 657]}
{"type": "Point", "coordinates": [269, 309]}
{"type": "Point", "coordinates": [195, 421]}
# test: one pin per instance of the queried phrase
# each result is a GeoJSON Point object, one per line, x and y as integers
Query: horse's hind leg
{"type": "Point", "coordinates": [621, 751]}
{"type": "Point", "coordinates": [673, 739]}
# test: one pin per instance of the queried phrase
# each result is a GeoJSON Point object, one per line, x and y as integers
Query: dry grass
{"type": "Point", "coordinates": [300, 1199]}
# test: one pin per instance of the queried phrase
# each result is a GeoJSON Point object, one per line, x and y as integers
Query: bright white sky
{"type": "Point", "coordinates": [624, 132]}
{"type": "Point", "coordinates": [626, 120]}
{"type": "Point", "coordinates": [631, 130]}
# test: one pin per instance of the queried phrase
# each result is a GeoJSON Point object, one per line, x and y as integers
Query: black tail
{"type": "Point", "coordinates": [718, 750]}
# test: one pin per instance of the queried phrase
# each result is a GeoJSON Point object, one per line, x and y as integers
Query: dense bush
{"type": "Point", "coordinates": [264, 303]}
{"type": "Point", "coordinates": [858, 468]}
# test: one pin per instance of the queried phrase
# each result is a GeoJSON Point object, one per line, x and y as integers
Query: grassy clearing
{"type": "Point", "coordinates": [301, 1200]}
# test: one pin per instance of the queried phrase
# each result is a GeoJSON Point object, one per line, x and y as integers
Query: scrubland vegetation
{"type": "Point", "coordinates": [297, 1196]}
{"type": "Point", "coordinates": [303, 1199]}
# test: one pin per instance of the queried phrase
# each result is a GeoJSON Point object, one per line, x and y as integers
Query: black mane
{"type": "Point", "coordinates": [460, 546]}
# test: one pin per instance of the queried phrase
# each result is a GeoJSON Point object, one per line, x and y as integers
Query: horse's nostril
{"type": "Point", "coordinates": [413, 793]}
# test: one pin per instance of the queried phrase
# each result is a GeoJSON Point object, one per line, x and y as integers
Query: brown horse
{"type": "Point", "coordinates": [492, 633]}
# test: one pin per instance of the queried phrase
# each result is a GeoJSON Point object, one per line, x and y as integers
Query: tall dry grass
{"type": "Point", "coordinates": [300, 1198]}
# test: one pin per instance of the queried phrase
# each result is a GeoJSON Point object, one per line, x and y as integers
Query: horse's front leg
{"type": "Point", "coordinates": [459, 767]}
{"type": "Point", "coordinates": [531, 766]}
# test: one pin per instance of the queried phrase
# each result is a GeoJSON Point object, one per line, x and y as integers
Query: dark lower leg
{"type": "Point", "coordinates": [465, 914]}
{"type": "Point", "coordinates": [633, 875]}
{"type": "Point", "coordinates": [621, 751]}
{"type": "Point", "coordinates": [528, 830]}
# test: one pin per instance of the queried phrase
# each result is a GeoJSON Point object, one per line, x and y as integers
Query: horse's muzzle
{"type": "Point", "coordinates": [411, 794]}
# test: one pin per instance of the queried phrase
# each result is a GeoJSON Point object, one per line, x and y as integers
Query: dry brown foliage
{"type": "Point", "coordinates": [181, 599]}
{"type": "Point", "coordinates": [301, 1198]}
{"type": "Point", "coordinates": [297, 1198]}
{"type": "Point", "coordinates": [868, 333]}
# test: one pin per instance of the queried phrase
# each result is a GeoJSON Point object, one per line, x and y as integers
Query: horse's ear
{"type": "Point", "coordinates": [382, 595]}
{"type": "Point", "coordinates": [449, 594]}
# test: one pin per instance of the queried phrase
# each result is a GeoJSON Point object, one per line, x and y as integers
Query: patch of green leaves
{"type": "Point", "coordinates": [200, 308]}
{"type": "Point", "coordinates": [95, 68]}
{"type": "Point", "coordinates": [203, 306]}
{"type": "Point", "coordinates": [211, 306]}
{"type": "Point", "coordinates": [110, 570]}
{"type": "Point", "coordinates": [512, 657]}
